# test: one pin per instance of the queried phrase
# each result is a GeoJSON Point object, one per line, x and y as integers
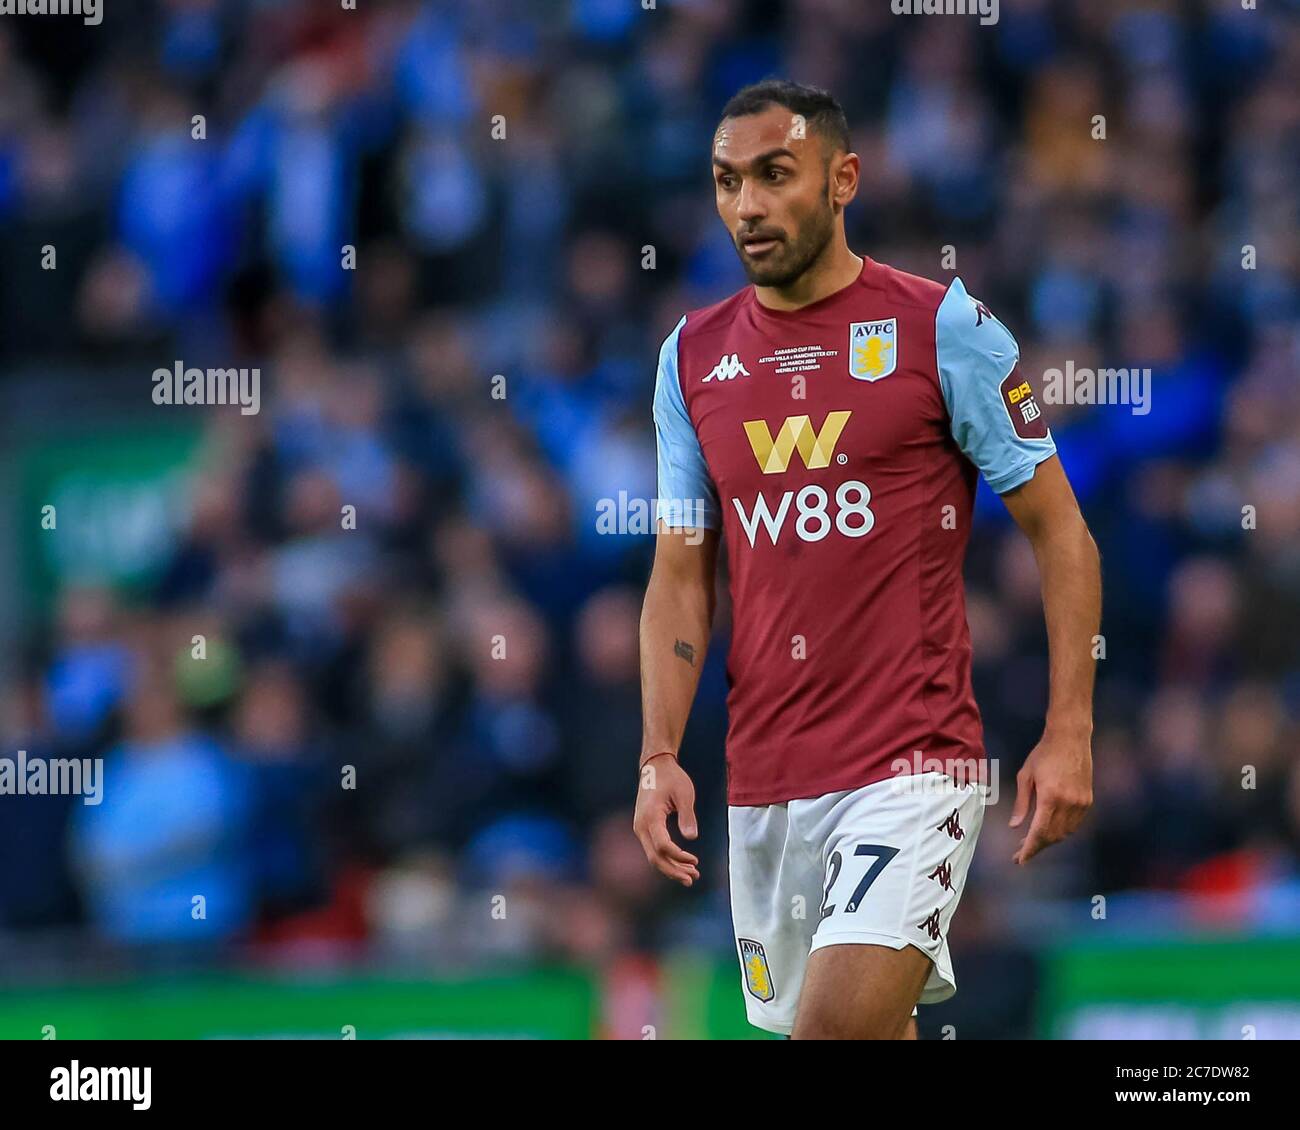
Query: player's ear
{"type": "Point", "coordinates": [845, 168]}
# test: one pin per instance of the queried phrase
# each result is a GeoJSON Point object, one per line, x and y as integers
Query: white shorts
{"type": "Point", "coordinates": [881, 865]}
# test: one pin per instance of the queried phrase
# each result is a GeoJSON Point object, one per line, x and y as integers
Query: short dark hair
{"type": "Point", "coordinates": [823, 114]}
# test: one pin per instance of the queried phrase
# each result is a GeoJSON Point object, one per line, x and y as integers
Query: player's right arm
{"type": "Point", "coordinates": [676, 622]}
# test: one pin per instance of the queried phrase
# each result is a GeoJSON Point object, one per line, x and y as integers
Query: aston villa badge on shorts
{"type": "Point", "coordinates": [758, 978]}
{"type": "Point", "coordinates": [873, 349]}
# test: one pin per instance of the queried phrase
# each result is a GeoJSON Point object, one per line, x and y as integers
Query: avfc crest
{"type": "Point", "coordinates": [758, 978]}
{"type": "Point", "coordinates": [873, 349]}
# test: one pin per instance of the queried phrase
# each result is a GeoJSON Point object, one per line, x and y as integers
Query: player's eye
{"type": "Point", "coordinates": [727, 181]}
{"type": "Point", "coordinates": [777, 174]}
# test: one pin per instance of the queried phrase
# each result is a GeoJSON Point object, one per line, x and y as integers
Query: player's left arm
{"type": "Point", "coordinates": [1000, 427]}
{"type": "Point", "coordinates": [1058, 772]}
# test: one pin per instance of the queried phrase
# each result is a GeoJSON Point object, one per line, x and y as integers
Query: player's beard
{"type": "Point", "coordinates": [791, 258]}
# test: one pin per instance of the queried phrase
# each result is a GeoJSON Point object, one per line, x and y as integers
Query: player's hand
{"type": "Point", "coordinates": [1057, 774]}
{"type": "Point", "coordinates": [664, 788]}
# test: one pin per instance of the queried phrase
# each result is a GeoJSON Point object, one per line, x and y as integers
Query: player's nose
{"type": "Point", "coordinates": [749, 204]}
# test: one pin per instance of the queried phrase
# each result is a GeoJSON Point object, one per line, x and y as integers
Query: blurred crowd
{"type": "Point", "coordinates": [359, 734]}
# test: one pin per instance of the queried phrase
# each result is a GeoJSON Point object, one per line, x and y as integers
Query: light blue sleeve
{"type": "Point", "coordinates": [975, 354]}
{"type": "Point", "coordinates": [687, 497]}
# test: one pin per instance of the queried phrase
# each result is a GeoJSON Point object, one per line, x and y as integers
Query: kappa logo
{"type": "Point", "coordinates": [758, 977]}
{"type": "Point", "coordinates": [815, 448]}
{"type": "Point", "coordinates": [727, 369]}
{"type": "Point", "coordinates": [931, 925]}
{"type": "Point", "coordinates": [952, 825]}
{"type": "Point", "coordinates": [943, 875]}
{"type": "Point", "coordinates": [873, 349]}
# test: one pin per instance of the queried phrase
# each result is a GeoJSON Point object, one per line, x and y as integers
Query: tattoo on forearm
{"type": "Point", "coordinates": [685, 651]}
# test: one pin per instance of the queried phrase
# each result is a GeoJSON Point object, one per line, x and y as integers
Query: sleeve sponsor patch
{"type": "Point", "coordinates": [1022, 406]}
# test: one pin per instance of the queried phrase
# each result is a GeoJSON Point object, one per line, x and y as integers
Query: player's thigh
{"type": "Point", "coordinates": [775, 890]}
{"type": "Point", "coordinates": [860, 992]}
{"type": "Point", "coordinates": [896, 855]}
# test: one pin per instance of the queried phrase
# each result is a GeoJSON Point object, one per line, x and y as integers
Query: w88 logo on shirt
{"type": "Point", "coordinates": [815, 514]}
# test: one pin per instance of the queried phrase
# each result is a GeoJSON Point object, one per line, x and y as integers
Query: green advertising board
{"type": "Point", "coordinates": [1229, 989]}
{"type": "Point", "coordinates": [535, 1005]}
{"type": "Point", "coordinates": [101, 507]}
{"type": "Point", "coordinates": [1238, 989]}
{"type": "Point", "coordinates": [687, 997]}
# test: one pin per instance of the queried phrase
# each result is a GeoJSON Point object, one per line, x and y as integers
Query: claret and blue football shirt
{"type": "Point", "coordinates": [837, 447]}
